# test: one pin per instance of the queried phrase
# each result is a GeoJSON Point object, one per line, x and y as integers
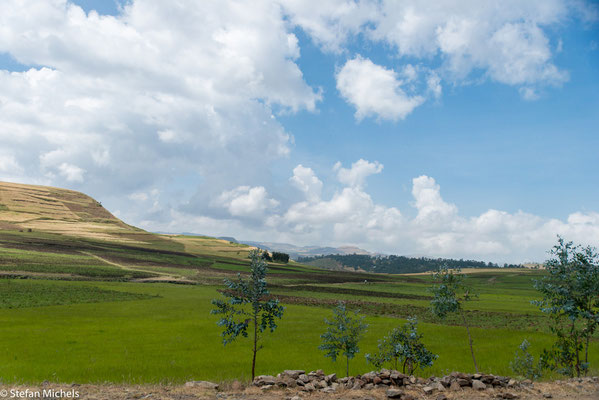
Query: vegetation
{"type": "Point", "coordinates": [237, 317]}
{"type": "Point", "coordinates": [403, 347]}
{"type": "Point", "coordinates": [449, 292]}
{"type": "Point", "coordinates": [571, 297]}
{"type": "Point", "coordinates": [280, 257]}
{"type": "Point", "coordinates": [396, 264]}
{"type": "Point", "coordinates": [343, 334]}
{"type": "Point", "coordinates": [524, 364]}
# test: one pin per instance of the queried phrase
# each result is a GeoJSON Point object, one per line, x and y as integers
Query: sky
{"type": "Point", "coordinates": [457, 128]}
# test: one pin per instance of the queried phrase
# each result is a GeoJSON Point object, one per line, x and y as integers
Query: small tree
{"type": "Point", "coordinates": [524, 364]}
{"type": "Point", "coordinates": [403, 345]}
{"type": "Point", "coordinates": [570, 293]}
{"type": "Point", "coordinates": [449, 293]}
{"type": "Point", "coordinates": [343, 334]}
{"type": "Point", "coordinates": [248, 307]}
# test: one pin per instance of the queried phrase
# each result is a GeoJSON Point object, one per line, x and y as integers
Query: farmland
{"type": "Point", "coordinates": [128, 306]}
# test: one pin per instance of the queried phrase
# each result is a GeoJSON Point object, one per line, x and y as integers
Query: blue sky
{"type": "Point", "coordinates": [465, 129]}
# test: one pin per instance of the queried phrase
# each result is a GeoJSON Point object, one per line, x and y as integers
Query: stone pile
{"type": "Point", "coordinates": [391, 379]}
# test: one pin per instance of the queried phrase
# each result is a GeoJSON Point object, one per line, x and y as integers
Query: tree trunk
{"type": "Point", "coordinates": [469, 340]}
{"type": "Point", "coordinates": [255, 346]}
{"type": "Point", "coordinates": [347, 366]}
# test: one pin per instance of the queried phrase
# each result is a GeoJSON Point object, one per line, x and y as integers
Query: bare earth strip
{"type": "Point", "coordinates": [164, 277]}
{"type": "Point", "coordinates": [556, 390]}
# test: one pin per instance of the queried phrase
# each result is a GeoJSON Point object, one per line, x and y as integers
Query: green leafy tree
{"type": "Point", "coordinates": [524, 364]}
{"type": "Point", "coordinates": [247, 307]}
{"type": "Point", "coordinates": [280, 257]}
{"type": "Point", "coordinates": [266, 256]}
{"type": "Point", "coordinates": [449, 292]}
{"type": "Point", "coordinates": [570, 293]}
{"type": "Point", "coordinates": [343, 334]}
{"type": "Point", "coordinates": [403, 345]}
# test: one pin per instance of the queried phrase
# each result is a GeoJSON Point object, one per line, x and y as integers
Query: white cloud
{"type": "Point", "coordinates": [357, 174]}
{"type": "Point", "coordinates": [374, 90]}
{"type": "Point", "coordinates": [71, 173]}
{"type": "Point", "coordinates": [161, 91]}
{"type": "Point", "coordinates": [305, 180]}
{"type": "Point", "coordinates": [246, 201]}
{"type": "Point", "coordinates": [503, 39]}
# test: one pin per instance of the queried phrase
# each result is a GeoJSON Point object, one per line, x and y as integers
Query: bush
{"type": "Point", "coordinates": [403, 345]}
{"type": "Point", "coordinates": [524, 364]}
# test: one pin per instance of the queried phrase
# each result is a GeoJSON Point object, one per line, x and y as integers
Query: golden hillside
{"type": "Point", "coordinates": [67, 212]}
{"type": "Point", "coordinates": [49, 209]}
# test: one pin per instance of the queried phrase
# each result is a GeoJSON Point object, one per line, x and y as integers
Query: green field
{"type": "Point", "coordinates": [83, 311]}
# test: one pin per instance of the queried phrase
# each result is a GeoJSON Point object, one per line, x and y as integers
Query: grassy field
{"type": "Point", "coordinates": [131, 306]}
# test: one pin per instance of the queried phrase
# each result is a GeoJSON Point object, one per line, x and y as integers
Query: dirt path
{"type": "Point", "coordinates": [565, 390]}
{"type": "Point", "coordinates": [164, 277]}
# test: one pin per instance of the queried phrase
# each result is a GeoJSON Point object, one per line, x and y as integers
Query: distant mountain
{"type": "Point", "coordinates": [306, 251]}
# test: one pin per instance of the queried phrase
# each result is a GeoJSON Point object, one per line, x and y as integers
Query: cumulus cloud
{"type": "Point", "coordinates": [245, 201]}
{"type": "Point", "coordinates": [351, 216]}
{"type": "Point", "coordinates": [502, 39]}
{"type": "Point", "coordinates": [118, 104]}
{"type": "Point", "coordinates": [357, 174]}
{"type": "Point", "coordinates": [306, 181]}
{"type": "Point", "coordinates": [374, 90]}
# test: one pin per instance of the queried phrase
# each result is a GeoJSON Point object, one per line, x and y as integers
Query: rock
{"type": "Point", "coordinates": [376, 380]}
{"type": "Point", "coordinates": [477, 376]}
{"type": "Point", "coordinates": [394, 393]}
{"type": "Point", "coordinates": [304, 378]}
{"type": "Point", "coordinates": [407, 397]}
{"type": "Point", "coordinates": [441, 396]}
{"type": "Point", "coordinates": [508, 395]}
{"type": "Point", "coordinates": [369, 377]}
{"type": "Point", "coordinates": [478, 385]}
{"type": "Point", "coordinates": [296, 398]}
{"type": "Point", "coordinates": [309, 387]}
{"type": "Point", "coordinates": [438, 386]}
{"type": "Point", "coordinates": [331, 378]}
{"type": "Point", "coordinates": [384, 374]}
{"type": "Point", "coordinates": [463, 382]}
{"type": "Point", "coordinates": [358, 384]}
{"type": "Point", "coordinates": [428, 390]}
{"type": "Point", "coordinates": [267, 387]}
{"type": "Point", "coordinates": [511, 383]}
{"type": "Point", "coordinates": [328, 389]}
{"type": "Point", "coordinates": [321, 384]}
{"type": "Point", "coordinates": [368, 386]}
{"type": "Point", "coordinates": [526, 382]}
{"type": "Point", "coordinates": [413, 379]}
{"type": "Point", "coordinates": [547, 395]}
{"type": "Point", "coordinates": [455, 386]}
{"type": "Point", "coordinates": [202, 385]}
{"type": "Point", "coordinates": [294, 373]}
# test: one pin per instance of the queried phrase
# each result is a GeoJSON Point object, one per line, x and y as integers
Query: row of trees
{"type": "Point", "coordinates": [400, 264]}
{"type": "Point", "coordinates": [570, 295]}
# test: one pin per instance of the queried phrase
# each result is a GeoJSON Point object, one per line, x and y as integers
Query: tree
{"type": "Point", "coordinates": [449, 292]}
{"type": "Point", "coordinates": [403, 345]}
{"type": "Point", "coordinates": [266, 256]}
{"type": "Point", "coordinates": [280, 257]}
{"type": "Point", "coordinates": [524, 364]}
{"type": "Point", "coordinates": [343, 334]}
{"type": "Point", "coordinates": [570, 293]}
{"type": "Point", "coordinates": [248, 307]}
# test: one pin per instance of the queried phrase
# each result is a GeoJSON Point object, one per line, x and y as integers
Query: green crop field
{"type": "Point", "coordinates": [86, 313]}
